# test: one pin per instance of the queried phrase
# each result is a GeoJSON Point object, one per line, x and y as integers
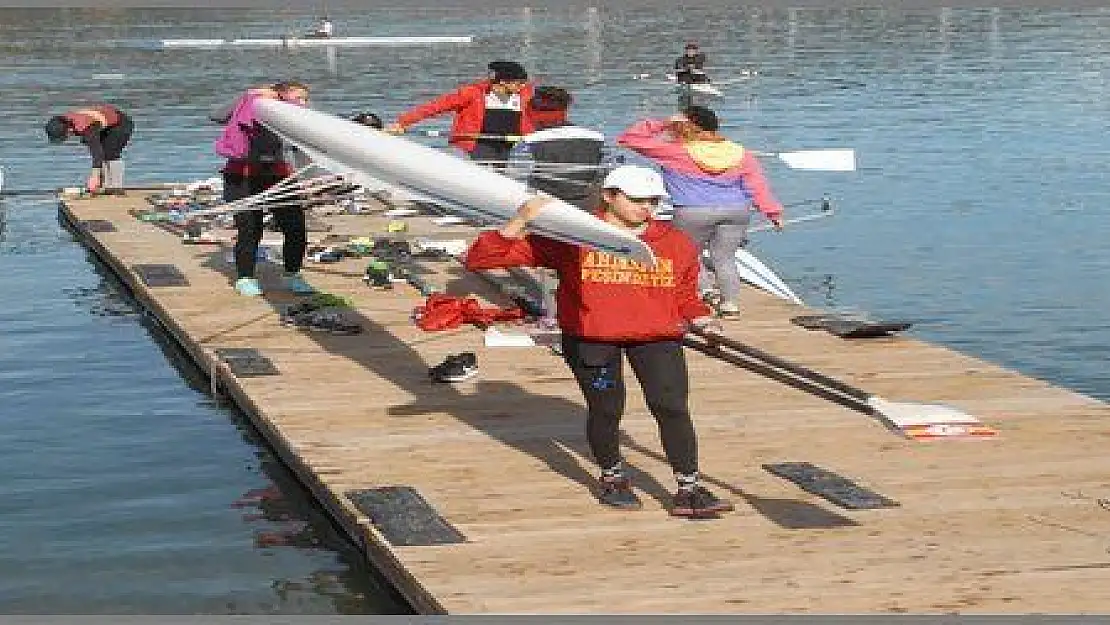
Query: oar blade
{"type": "Point", "coordinates": [929, 421]}
{"type": "Point", "coordinates": [753, 271]}
{"type": "Point", "coordinates": [820, 160]}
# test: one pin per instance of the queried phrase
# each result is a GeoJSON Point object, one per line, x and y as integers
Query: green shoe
{"type": "Point", "coordinates": [248, 287]}
{"type": "Point", "coordinates": [295, 283]}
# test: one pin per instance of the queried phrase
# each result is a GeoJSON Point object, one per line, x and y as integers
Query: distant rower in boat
{"type": "Point", "coordinates": [106, 130]}
{"type": "Point", "coordinates": [559, 158]}
{"type": "Point", "coordinates": [713, 184]}
{"type": "Point", "coordinates": [490, 115]}
{"type": "Point", "coordinates": [690, 67]}
{"type": "Point", "coordinates": [323, 29]}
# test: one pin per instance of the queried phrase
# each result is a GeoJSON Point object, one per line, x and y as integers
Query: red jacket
{"type": "Point", "coordinates": [603, 297]}
{"type": "Point", "coordinates": [469, 104]}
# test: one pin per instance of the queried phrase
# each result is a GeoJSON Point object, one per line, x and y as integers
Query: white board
{"type": "Point", "coordinates": [462, 186]}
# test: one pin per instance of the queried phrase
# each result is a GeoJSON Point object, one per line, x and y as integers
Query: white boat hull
{"type": "Point", "coordinates": [313, 42]}
{"type": "Point", "coordinates": [468, 189]}
{"type": "Point", "coordinates": [702, 88]}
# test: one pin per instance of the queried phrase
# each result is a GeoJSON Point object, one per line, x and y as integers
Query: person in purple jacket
{"type": "Point", "coordinates": [713, 183]}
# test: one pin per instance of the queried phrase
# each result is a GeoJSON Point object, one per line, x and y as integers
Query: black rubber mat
{"type": "Point", "coordinates": [246, 362]}
{"type": "Point", "coordinates": [160, 275]}
{"type": "Point", "coordinates": [98, 225]}
{"type": "Point", "coordinates": [835, 488]}
{"type": "Point", "coordinates": [851, 327]}
{"type": "Point", "coordinates": [404, 517]}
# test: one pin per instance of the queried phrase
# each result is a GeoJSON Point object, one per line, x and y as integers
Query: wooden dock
{"type": "Point", "coordinates": [1018, 523]}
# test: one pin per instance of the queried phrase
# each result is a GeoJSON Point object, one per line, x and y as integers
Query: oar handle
{"type": "Point", "coordinates": [781, 363]}
{"type": "Point", "coordinates": [475, 136]}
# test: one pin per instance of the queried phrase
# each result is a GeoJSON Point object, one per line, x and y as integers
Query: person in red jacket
{"type": "Point", "coordinates": [596, 293]}
{"type": "Point", "coordinates": [489, 114]}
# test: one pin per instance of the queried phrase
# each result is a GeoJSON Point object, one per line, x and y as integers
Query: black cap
{"type": "Point", "coordinates": [57, 130]}
{"type": "Point", "coordinates": [702, 117]}
{"type": "Point", "coordinates": [504, 71]}
{"type": "Point", "coordinates": [551, 99]}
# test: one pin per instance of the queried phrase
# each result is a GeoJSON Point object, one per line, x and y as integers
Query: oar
{"type": "Point", "coordinates": [70, 191]}
{"type": "Point", "coordinates": [475, 136]}
{"type": "Point", "coordinates": [817, 160]}
{"type": "Point", "coordinates": [913, 420]}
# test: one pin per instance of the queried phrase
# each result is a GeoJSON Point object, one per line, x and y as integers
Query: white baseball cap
{"type": "Point", "coordinates": [635, 181]}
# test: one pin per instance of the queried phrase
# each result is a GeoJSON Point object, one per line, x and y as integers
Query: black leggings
{"type": "Point", "coordinates": [115, 138]}
{"type": "Point", "coordinates": [289, 219]}
{"type": "Point", "coordinates": [660, 366]}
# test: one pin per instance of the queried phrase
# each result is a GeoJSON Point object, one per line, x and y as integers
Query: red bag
{"type": "Point", "coordinates": [444, 312]}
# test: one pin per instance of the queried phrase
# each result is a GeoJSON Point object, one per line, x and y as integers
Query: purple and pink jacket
{"type": "Point", "coordinates": [716, 173]}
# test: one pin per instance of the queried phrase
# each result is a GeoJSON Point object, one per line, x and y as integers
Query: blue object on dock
{"type": "Point", "coordinates": [98, 225]}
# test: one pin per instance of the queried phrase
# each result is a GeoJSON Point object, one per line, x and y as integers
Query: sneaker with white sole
{"type": "Point", "coordinates": [248, 287]}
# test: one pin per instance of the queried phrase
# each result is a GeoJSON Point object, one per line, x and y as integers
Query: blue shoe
{"type": "Point", "coordinates": [295, 283]}
{"type": "Point", "coordinates": [248, 287]}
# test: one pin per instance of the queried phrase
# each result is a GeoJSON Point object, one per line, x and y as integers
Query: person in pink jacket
{"type": "Point", "coordinates": [713, 183]}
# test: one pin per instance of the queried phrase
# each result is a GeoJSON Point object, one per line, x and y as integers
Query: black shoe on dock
{"type": "Point", "coordinates": [617, 492]}
{"type": "Point", "coordinates": [455, 368]}
{"type": "Point", "coordinates": [699, 503]}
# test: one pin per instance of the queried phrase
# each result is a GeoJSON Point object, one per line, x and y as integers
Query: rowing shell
{"type": "Point", "coordinates": [702, 88]}
{"type": "Point", "coordinates": [461, 186]}
{"type": "Point", "coordinates": [312, 42]}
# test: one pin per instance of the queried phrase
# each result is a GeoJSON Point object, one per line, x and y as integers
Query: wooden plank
{"type": "Point", "coordinates": [988, 526]}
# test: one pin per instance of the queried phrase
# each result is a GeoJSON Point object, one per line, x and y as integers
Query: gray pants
{"type": "Point", "coordinates": [721, 230]}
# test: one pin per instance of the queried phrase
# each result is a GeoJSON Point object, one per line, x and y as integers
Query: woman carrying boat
{"type": "Point", "coordinates": [489, 113]}
{"type": "Point", "coordinates": [255, 162]}
{"type": "Point", "coordinates": [713, 183]}
{"type": "Point", "coordinates": [106, 130]}
{"type": "Point", "coordinates": [610, 309]}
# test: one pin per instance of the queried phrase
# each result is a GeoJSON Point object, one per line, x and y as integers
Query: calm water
{"type": "Point", "coordinates": [979, 211]}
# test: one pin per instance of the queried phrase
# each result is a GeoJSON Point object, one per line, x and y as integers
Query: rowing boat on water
{"type": "Point", "coordinates": [702, 88]}
{"type": "Point", "coordinates": [314, 42]}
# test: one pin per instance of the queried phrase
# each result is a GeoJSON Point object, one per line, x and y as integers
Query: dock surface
{"type": "Point", "coordinates": [1013, 524]}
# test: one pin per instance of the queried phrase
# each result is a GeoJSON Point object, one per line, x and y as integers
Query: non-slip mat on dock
{"type": "Point", "coordinates": [155, 275]}
{"type": "Point", "coordinates": [404, 517]}
{"type": "Point", "coordinates": [98, 225]}
{"type": "Point", "coordinates": [246, 362]}
{"type": "Point", "coordinates": [847, 327]}
{"type": "Point", "coordinates": [835, 488]}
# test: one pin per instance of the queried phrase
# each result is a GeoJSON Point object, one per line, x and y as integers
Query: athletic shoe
{"type": "Point", "coordinates": [455, 368]}
{"type": "Point", "coordinates": [711, 299]}
{"type": "Point", "coordinates": [698, 503]}
{"type": "Point", "coordinates": [295, 283]}
{"type": "Point", "coordinates": [728, 310]}
{"type": "Point", "coordinates": [617, 492]}
{"type": "Point", "coordinates": [248, 287]}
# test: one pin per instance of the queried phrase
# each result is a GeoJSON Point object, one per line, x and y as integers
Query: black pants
{"type": "Point", "coordinates": [660, 367]}
{"type": "Point", "coordinates": [492, 153]}
{"type": "Point", "coordinates": [114, 138]}
{"type": "Point", "coordinates": [289, 219]}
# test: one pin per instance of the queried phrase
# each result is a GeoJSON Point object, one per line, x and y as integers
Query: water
{"type": "Point", "coordinates": [978, 211]}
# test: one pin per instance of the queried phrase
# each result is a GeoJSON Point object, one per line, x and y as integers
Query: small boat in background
{"type": "Point", "coordinates": [313, 42]}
